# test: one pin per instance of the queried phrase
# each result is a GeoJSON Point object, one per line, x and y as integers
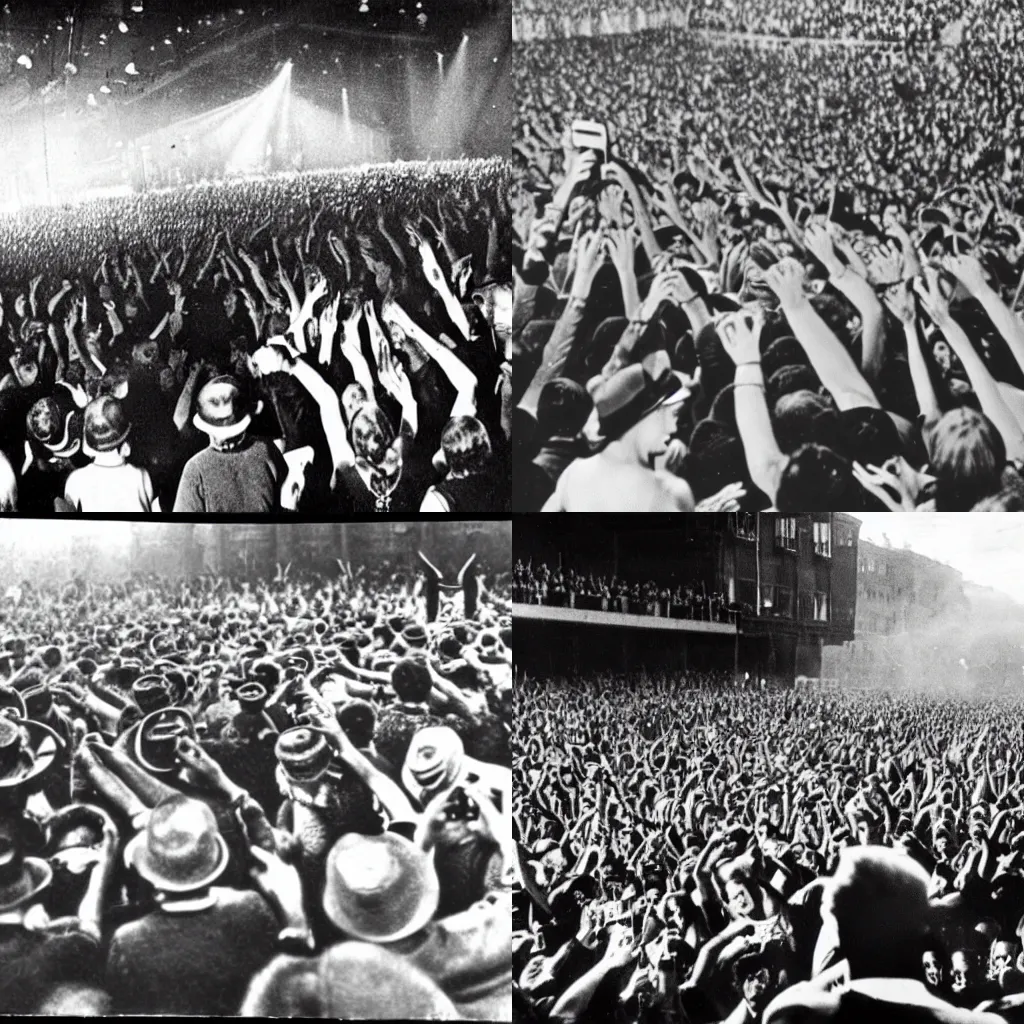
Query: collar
{"type": "Point", "coordinates": [189, 906]}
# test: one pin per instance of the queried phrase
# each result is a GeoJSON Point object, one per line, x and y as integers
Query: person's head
{"type": "Point", "coordinates": [466, 446]}
{"type": "Point", "coordinates": [372, 434]}
{"type": "Point", "coordinates": [25, 367]}
{"type": "Point", "coordinates": [106, 429]}
{"type": "Point", "coordinates": [967, 456]}
{"type": "Point", "coordinates": [353, 398]}
{"type": "Point", "coordinates": [942, 354]}
{"type": "Point", "coordinates": [358, 720]}
{"type": "Point", "coordinates": [146, 352]}
{"type": "Point", "coordinates": [805, 417]}
{"type": "Point", "coordinates": [56, 428]}
{"type": "Point", "coordinates": [759, 977]}
{"type": "Point", "coordinates": [1001, 957]}
{"type": "Point", "coordinates": [878, 898]}
{"type": "Point", "coordinates": [230, 303]}
{"type": "Point", "coordinates": [816, 479]}
{"type": "Point", "coordinates": [563, 408]}
{"type": "Point", "coordinates": [224, 412]}
{"type": "Point", "coordinates": [410, 679]}
{"type": "Point", "coordinates": [495, 302]}
{"type": "Point", "coordinates": [738, 894]}
{"type": "Point", "coordinates": [933, 968]}
{"type": "Point", "coordinates": [963, 968]}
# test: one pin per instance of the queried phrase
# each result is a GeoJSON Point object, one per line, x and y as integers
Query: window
{"type": "Point", "coordinates": [820, 607]}
{"type": "Point", "coordinates": [746, 594]}
{"type": "Point", "coordinates": [785, 532]}
{"type": "Point", "coordinates": [777, 601]}
{"type": "Point", "coordinates": [746, 525]}
{"type": "Point", "coordinates": [823, 539]}
{"type": "Point", "coordinates": [806, 605]}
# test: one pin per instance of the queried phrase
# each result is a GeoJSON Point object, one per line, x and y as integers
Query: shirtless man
{"type": "Point", "coordinates": [637, 409]}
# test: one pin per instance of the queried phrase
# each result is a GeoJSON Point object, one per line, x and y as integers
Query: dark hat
{"type": "Point", "coordinates": [11, 699]}
{"type": "Point", "coordinates": [21, 878]}
{"type": "Point", "coordinates": [181, 848]}
{"type": "Point", "coordinates": [415, 635]}
{"type": "Point", "coordinates": [28, 750]}
{"type": "Point", "coordinates": [151, 694]}
{"type": "Point", "coordinates": [156, 741]}
{"type": "Point", "coordinates": [223, 410]}
{"type": "Point", "coordinates": [106, 425]}
{"type": "Point", "coordinates": [357, 716]}
{"type": "Point", "coordinates": [303, 753]}
{"type": "Point", "coordinates": [379, 888]}
{"type": "Point", "coordinates": [635, 392]}
{"type": "Point", "coordinates": [252, 697]}
{"type": "Point", "coordinates": [57, 429]}
{"type": "Point", "coordinates": [268, 672]}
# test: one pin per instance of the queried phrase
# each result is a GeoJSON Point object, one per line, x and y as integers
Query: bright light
{"type": "Point", "coordinates": [131, 69]}
{"type": "Point", "coordinates": [105, 89]}
{"type": "Point", "coordinates": [137, 6]}
{"type": "Point", "coordinates": [92, 101]}
{"type": "Point", "coordinates": [25, 61]}
{"type": "Point", "coordinates": [122, 26]}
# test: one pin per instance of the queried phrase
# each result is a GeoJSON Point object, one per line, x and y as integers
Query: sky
{"type": "Point", "coordinates": [987, 547]}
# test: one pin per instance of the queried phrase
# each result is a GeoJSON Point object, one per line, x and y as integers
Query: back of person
{"type": "Point", "coordinates": [481, 492]}
{"type": "Point", "coordinates": [599, 484]}
{"type": "Point", "coordinates": [124, 488]}
{"type": "Point", "coordinates": [192, 962]}
{"type": "Point", "coordinates": [245, 479]}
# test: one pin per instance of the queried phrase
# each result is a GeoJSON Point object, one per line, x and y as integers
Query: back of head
{"type": "Point", "coordinates": [805, 417]}
{"type": "Point", "coordinates": [868, 436]}
{"type": "Point", "coordinates": [879, 900]}
{"type": "Point", "coordinates": [816, 479]}
{"type": "Point", "coordinates": [967, 455]}
{"type": "Point", "coordinates": [411, 681]}
{"type": "Point", "coordinates": [562, 409]}
{"type": "Point", "coordinates": [466, 445]}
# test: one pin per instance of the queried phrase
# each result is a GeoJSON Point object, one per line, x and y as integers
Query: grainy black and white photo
{"type": "Point", "coordinates": [772, 255]}
{"type": "Point", "coordinates": [255, 257]}
{"type": "Point", "coordinates": [256, 769]}
{"type": "Point", "coordinates": [768, 768]}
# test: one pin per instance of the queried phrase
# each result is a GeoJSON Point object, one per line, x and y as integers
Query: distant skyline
{"type": "Point", "coordinates": [987, 547]}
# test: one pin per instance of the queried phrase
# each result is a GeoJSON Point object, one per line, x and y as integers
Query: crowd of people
{"type": "Point", "coordinates": [274, 797]}
{"type": "Point", "coordinates": [561, 587]}
{"type": "Point", "coordinates": [914, 23]}
{"type": "Point", "coordinates": [785, 855]}
{"type": "Point", "coordinates": [329, 342]}
{"type": "Point", "coordinates": [789, 280]}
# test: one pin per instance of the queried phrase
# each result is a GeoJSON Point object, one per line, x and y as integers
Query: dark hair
{"type": "Point", "coordinates": [967, 455]}
{"type": "Point", "coordinates": [358, 719]}
{"type": "Point", "coordinates": [466, 445]}
{"type": "Point", "coordinates": [869, 436]}
{"type": "Point", "coordinates": [787, 379]}
{"type": "Point", "coordinates": [805, 417]}
{"type": "Point", "coordinates": [410, 680]}
{"type": "Point", "coordinates": [562, 409]}
{"type": "Point", "coordinates": [817, 479]}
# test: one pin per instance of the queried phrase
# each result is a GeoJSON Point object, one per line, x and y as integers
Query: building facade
{"type": "Point", "coordinates": [899, 590]}
{"type": "Point", "coordinates": [790, 582]}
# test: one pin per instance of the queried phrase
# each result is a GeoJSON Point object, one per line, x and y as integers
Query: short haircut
{"type": "Point", "coordinates": [817, 479]}
{"type": "Point", "coordinates": [411, 681]}
{"type": "Point", "coordinates": [805, 417]}
{"type": "Point", "coordinates": [967, 455]}
{"type": "Point", "coordinates": [563, 408]}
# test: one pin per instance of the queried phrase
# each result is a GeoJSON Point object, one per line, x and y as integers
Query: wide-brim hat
{"type": "Point", "coordinates": [435, 760]}
{"type": "Point", "coordinates": [31, 755]}
{"type": "Point", "coordinates": [33, 877]}
{"type": "Point", "coordinates": [635, 392]}
{"type": "Point", "coordinates": [379, 888]}
{"type": "Point", "coordinates": [157, 736]}
{"type": "Point", "coordinates": [223, 411]}
{"type": "Point", "coordinates": [57, 429]}
{"type": "Point", "coordinates": [181, 848]}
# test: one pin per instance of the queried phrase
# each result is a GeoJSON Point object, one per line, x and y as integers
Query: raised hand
{"type": "Point", "coordinates": [726, 500]}
{"type": "Point", "coordinates": [967, 269]}
{"type": "Point", "coordinates": [819, 243]}
{"type": "Point", "coordinates": [935, 295]}
{"type": "Point", "coordinates": [786, 279]}
{"type": "Point", "coordinates": [741, 337]}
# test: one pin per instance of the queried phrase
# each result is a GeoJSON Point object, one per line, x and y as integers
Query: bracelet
{"type": "Point", "coordinates": [749, 384]}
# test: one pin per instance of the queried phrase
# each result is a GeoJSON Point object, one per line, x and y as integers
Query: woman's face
{"type": "Point", "coordinates": [932, 969]}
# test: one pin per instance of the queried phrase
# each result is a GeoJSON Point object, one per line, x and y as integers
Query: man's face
{"type": "Point", "coordinates": [1002, 957]}
{"type": "Point", "coordinates": [932, 969]}
{"type": "Point", "coordinates": [757, 989]}
{"type": "Point", "coordinates": [740, 901]}
{"type": "Point", "coordinates": [26, 372]}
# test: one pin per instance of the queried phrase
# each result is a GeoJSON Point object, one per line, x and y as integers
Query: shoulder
{"type": "Point", "coordinates": [677, 489]}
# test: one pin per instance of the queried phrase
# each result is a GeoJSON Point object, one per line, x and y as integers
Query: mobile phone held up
{"type": "Point", "coordinates": [591, 135]}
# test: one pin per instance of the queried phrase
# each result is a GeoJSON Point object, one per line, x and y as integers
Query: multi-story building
{"type": "Point", "coordinates": [788, 581]}
{"type": "Point", "coordinates": [899, 590]}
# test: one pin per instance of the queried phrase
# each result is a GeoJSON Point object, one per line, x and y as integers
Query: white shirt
{"type": "Point", "coordinates": [123, 488]}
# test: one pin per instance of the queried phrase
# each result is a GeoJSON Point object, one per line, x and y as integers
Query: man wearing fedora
{"type": "Point", "coordinates": [637, 410]}
{"type": "Point", "coordinates": [236, 472]}
{"type": "Point", "coordinates": [384, 890]}
{"type": "Point", "coordinates": [194, 954]}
